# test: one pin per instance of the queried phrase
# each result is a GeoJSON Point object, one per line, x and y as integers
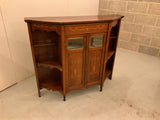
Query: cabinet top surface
{"type": "Point", "coordinates": [74, 19]}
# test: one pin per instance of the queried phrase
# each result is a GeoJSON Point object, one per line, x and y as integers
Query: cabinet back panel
{"type": "Point", "coordinates": [46, 53]}
{"type": "Point", "coordinates": [44, 37]}
{"type": "Point", "coordinates": [112, 44]}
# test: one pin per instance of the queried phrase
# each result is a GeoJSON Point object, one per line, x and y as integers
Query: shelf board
{"type": "Point", "coordinates": [107, 73]}
{"type": "Point", "coordinates": [44, 44]}
{"type": "Point", "coordinates": [50, 85]}
{"type": "Point", "coordinates": [50, 64]}
{"type": "Point", "coordinates": [113, 37]}
{"type": "Point", "coordinates": [110, 54]}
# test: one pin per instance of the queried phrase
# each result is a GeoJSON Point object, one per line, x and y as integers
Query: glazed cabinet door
{"type": "Point", "coordinates": [75, 48]}
{"type": "Point", "coordinates": [94, 58]}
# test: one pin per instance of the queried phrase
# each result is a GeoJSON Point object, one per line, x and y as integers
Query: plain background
{"type": "Point", "coordinates": [15, 53]}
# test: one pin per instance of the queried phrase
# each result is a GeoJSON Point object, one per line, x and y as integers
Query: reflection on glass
{"type": "Point", "coordinates": [75, 43]}
{"type": "Point", "coordinates": [96, 41]}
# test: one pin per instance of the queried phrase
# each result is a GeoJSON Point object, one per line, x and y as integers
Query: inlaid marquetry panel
{"type": "Point", "coordinates": [85, 28]}
{"type": "Point", "coordinates": [46, 27]}
{"type": "Point", "coordinates": [94, 66]}
{"type": "Point", "coordinates": [75, 70]}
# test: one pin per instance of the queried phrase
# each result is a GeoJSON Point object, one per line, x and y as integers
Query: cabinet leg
{"type": "Point", "coordinates": [64, 98]}
{"type": "Point", "coordinates": [39, 93]}
{"type": "Point", "coordinates": [110, 76]}
{"type": "Point", "coordinates": [101, 88]}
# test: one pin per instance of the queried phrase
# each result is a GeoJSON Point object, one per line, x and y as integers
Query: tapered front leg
{"type": "Point", "coordinates": [39, 93]}
{"type": "Point", "coordinates": [100, 88]}
{"type": "Point", "coordinates": [64, 98]}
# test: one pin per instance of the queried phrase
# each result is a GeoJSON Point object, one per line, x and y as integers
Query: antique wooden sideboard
{"type": "Point", "coordinates": [72, 53]}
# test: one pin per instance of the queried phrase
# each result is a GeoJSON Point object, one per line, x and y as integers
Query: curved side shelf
{"type": "Point", "coordinates": [50, 64]}
{"type": "Point", "coordinates": [44, 44]}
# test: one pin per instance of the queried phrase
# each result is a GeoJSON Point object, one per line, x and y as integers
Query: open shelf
{"type": "Point", "coordinates": [113, 37]}
{"type": "Point", "coordinates": [110, 53]}
{"type": "Point", "coordinates": [112, 45]}
{"type": "Point", "coordinates": [50, 85]}
{"type": "Point", "coordinates": [41, 38]}
{"type": "Point", "coordinates": [107, 73]}
{"type": "Point", "coordinates": [47, 51]}
{"type": "Point", "coordinates": [50, 79]}
{"type": "Point", "coordinates": [109, 66]}
{"type": "Point", "coordinates": [50, 64]}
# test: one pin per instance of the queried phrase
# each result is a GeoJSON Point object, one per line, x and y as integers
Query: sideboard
{"type": "Point", "coordinates": [72, 53]}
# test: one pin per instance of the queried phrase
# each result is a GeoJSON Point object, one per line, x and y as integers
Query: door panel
{"type": "Point", "coordinates": [75, 69]}
{"type": "Point", "coordinates": [94, 66]}
{"type": "Point", "coordinates": [94, 59]}
{"type": "Point", "coordinates": [75, 43]}
{"type": "Point", "coordinates": [96, 41]}
{"type": "Point", "coordinates": [75, 62]}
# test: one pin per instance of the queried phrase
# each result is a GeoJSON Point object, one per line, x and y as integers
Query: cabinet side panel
{"type": "Point", "coordinates": [110, 50]}
{"type": "Point", "coordinates": [106, 51]}
{"type": "Point", "coordinates": [118, 24]}
{"type": "Point", "coordinates": [33, 56]}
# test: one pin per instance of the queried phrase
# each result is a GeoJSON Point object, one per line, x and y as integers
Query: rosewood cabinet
{"type": "Point", "coordinates": [71, 53]}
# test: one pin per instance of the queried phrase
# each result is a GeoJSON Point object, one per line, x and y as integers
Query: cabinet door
{"type": "Point", "coordinates": [94, 58]}
{"type": "Point", "coordinates": [75, 47]}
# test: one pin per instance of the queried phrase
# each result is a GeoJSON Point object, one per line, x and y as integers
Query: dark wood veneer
{"type": "Point", "coordinates": [71, 53]}
{"type": "Point", "coordinates": [75, 19]}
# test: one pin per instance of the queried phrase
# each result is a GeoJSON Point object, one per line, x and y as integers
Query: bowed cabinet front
{"type": "Point", "coordinates": [69, 54]}
{"type": "Point", "coordinates": [84, 60]}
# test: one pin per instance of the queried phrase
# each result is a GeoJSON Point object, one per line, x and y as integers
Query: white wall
{"type": "Point", "coordinates": [16, 53]}
{"type": "Point", "coordinates": [7, 73]}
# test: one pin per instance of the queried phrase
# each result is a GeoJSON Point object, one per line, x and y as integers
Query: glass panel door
{"type": "Point", "coordinates": [75, 62]}
{"type": "Point", "coordinates": [75, 43]}
{"type": "Point", "coordinates": [96, 41]}
{"type": "Point", "coordinates": [94, 58]}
